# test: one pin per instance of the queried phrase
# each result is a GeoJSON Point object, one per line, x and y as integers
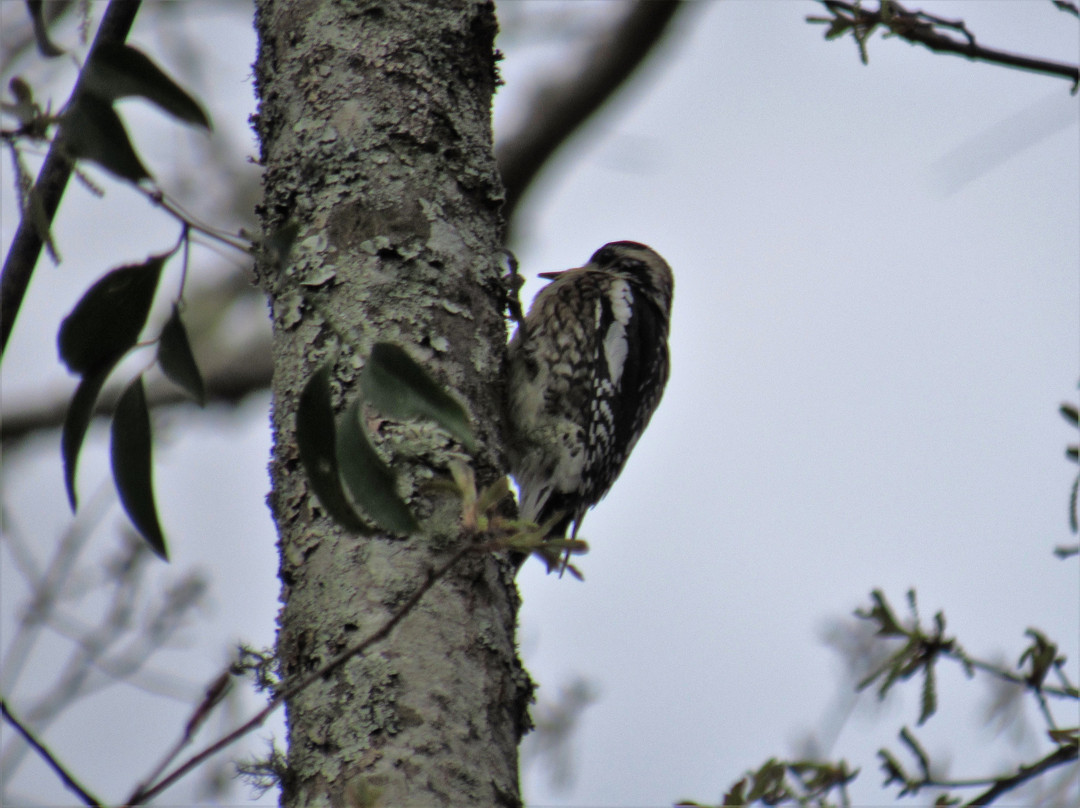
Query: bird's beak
{"type": "Point", "coordinates": [553, 275]}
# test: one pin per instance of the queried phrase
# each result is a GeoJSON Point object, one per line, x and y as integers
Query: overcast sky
{"type": "Point", "coordinates": [877, 314]}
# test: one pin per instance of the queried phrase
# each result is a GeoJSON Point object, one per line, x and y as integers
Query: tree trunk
{"type": "Point", "coordinates": [375, 128]}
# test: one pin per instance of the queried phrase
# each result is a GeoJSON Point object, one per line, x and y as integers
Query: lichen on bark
{"type": "Point", "coordinates": [375, 132]}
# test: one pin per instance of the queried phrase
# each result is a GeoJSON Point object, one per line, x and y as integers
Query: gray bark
{"type": "Point", "coordinates": [375, 128]}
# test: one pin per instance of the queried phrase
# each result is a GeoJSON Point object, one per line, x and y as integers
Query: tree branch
{"type": "Point", "coordinates": [1060, 756]}
{"type": "Point", "coordinates": [229, 381]}
{"type": "Point", "coordinates": [69, 781]}
{"type": "Point", "coordinates": [559, 109]}
{"type": "Point", "coordinates": [49, 189]}
{"type": "Point", "coordinates": [920, 28]}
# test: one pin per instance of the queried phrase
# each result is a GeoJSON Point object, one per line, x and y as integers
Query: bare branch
{"type": "Point", "coordinates": [557, 110]}
{"type": "Point", "coordinates": [42, 750]}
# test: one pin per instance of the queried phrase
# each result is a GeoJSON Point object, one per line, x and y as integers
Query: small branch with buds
{"type": "Point", "coordinates": [920, 28]}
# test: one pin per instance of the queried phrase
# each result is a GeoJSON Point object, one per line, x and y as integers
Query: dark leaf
{"type": "Point", "coordinates": [25, 108]}
{"type": "Point", "coordinates": [316, 439]}
{"type": "Point", "coordinates": [106, 321]}
{"type": "Point", "coordinates": [93, 131]}
{"type": "Point", "coordinates": [176, 359]}
{"type": "Point", "coordinates": [132, 465]}
{"type": "Point", "coordinates": [1068, 7]}
{"type": "Point", "coordinates": [397, 385]}
{"type": "Point", "coordinates": [371, 482]}
{"type": "Point", "coordinates": [1069, 413]}
{"type": "Point", "coordinates": [41, 28]}
{"type": "Point", "coordinates": [76, 422]}
{"type": "Point", "coordinates": [116, 70]}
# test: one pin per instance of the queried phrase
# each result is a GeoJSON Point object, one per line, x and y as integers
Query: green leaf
{"type": "Point", "coordinates": [736, 795]}
{"type": "Point", "coordinates": [768, 781]}
{"type": "Point", "coordinates": [928, 701]}
{"type": "Point", "coordinates": [316, 439]}
{"type": "Point", "coordinates": [397, 385]}
{"type": "Point", "coordinates": [132, 464]}
{"type": "Point", "coordinates": [888, 625]}
{"type": "Point", "coordinates": [894, 772]}
{"type": "Point", "coordinates": [176, 359]}
{"type": "Point", "coordinates": [77, 420]}
{"type": "Point", "coordinates": [912, 743]}
{"type": "Point", "coordinates": [106, 321]}
{"type": "Point", "coordinates": [41, 28]}
{"type": "Point", "coordinates": [93, 131]}
{"type": "Point", "coordinates": [371, 482]}
{"type": "Point", "coordinates": [116, 70]}
{"type": "Point", "coordinates": [1041, 653]}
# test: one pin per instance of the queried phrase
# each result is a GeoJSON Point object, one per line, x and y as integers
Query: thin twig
{"type": "Point", "coordinates": [66, 776]}
{"type": "Point", "coordinates": [52, 180]}
{"type": "Point", "coordinates": [1016, 679]}
{"type": "Point", "coordinates": [147, 791]}
{"type": "Point", "coordinates": [211, 698]}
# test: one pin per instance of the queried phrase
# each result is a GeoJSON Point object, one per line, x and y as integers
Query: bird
{"type": "Point", "coordinates": [587, 368]}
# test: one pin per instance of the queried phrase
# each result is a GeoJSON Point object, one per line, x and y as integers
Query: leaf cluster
{"type": "Point", "coordinates": [807, 783]}
{"type": "Point", "coordinates": [918, 653]}
{"type": "Point", "coordinates": [106, 323]}
{"type": "Point", "coordinates": [100, 331]}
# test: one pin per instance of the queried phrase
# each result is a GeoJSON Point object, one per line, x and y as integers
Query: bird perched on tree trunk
{"type": "Point", "coordinates": [587, 369]}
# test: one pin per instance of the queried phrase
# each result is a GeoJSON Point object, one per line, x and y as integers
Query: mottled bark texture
{"type": "Point", "coordinates": [375, 128]}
